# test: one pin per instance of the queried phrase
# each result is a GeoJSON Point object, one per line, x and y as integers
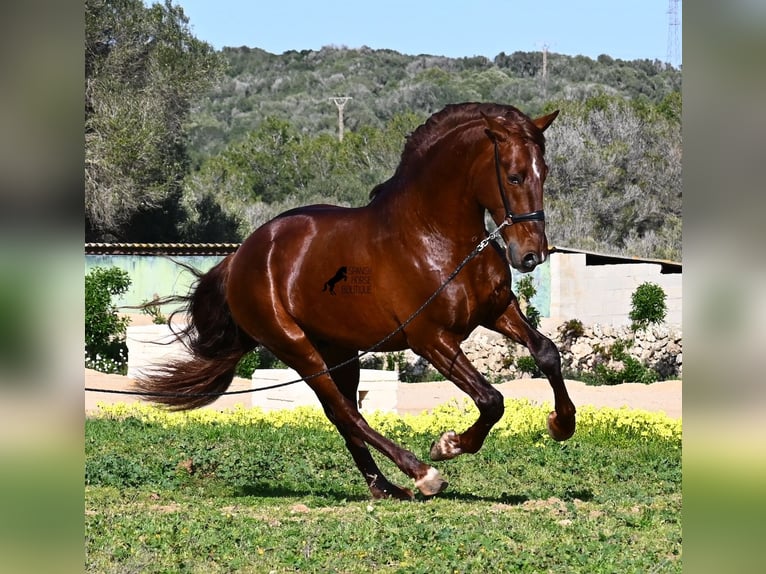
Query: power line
{"type": "Point", "coordinates": [673, 55]}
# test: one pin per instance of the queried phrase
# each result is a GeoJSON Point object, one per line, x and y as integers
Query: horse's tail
{"type": "Point", "coordinates": [214, 341]}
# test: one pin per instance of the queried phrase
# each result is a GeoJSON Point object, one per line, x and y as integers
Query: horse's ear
{"type": "Point", "coordinates": [496, 131]}
{"type": "Point", "coordinates": [544, 121]}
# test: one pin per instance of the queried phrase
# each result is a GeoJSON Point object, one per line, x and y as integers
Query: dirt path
{"type": "Point", "coordinates": [660, 397]}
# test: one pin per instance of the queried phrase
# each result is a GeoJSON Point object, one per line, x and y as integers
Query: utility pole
{"type": "Point", "coordinates": [545, 71]}
{"type": "Point", "coordinates": [673, 25]}
{"type": "Point", "coordinates": [340, 102]}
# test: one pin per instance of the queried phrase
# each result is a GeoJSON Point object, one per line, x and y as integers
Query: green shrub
{"type": "Point", "coordinates": [525, 290]}
{"type": "Point", "coordinates": [268, 360]}
{"type": "Point", "coordinates": [572, 329]}
{"type": "Point", "coordinates": [420, 372]}
{"type": "Point", "coordinates": [527, 364]}
{"type": "Point", "coordinates": [509, 359]}
{"type": "Point", "coordinates": [376, 361]}
{"type": "Point", "coordinates": [647, 306]}
{"type": "Point", "coordinates": [396, 361]}
{"type": "Point", "coordinates": [258, 358]}
{"type": "Point", "coordinates": [248, 364]}
{"type": "Point", "coordinates": [632, 370]}
{"type": "Point", "coordinates": [105, 347]}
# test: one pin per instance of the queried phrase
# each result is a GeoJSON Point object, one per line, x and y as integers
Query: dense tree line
{"type": "Point", "coordinates": [143, 67]}
{"type": "Point", "coordinates": [184, 143]}
{"type": "Point", "coordinates": [614, 184]}
{"type": "Point", "coordinates": [297, 86]}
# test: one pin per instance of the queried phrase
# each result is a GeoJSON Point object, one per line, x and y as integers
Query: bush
{"type": "Point", "coordinates": [258, 358]}
{"type": "Point", "coordinates": [647, 306]}
{"type": "Point", "coordinates": [420, 371]}
{"type": "Point", "coordinates": [248, 364]}
{"type": "Point", "coordinates": [105, 347]}
{"type": "Point", "coordinates": [396, 361]}
{"type": "Point", "coordinates": [572, 329]}
{"type": "Point", "coordinates": [606, 371]}
{"type": "Point", "coordinates": [527, 364]}
{"type": "Point", "coordinates": [525, 289]}
{"type": "Point", "coordinates": [569, 332]}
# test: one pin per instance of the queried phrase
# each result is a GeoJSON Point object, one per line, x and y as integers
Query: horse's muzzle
{"type": "Point", "coordinates": [530, 261]}
{"type": "Point", "coordinates": [527, 262]}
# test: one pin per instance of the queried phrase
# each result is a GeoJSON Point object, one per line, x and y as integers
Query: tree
{"type": "Point", "coordinates": [275, 168]}
{"type": "Point", "coordinates": [142, 70]}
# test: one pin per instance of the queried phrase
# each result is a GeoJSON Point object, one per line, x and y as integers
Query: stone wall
{"type": "Point", "coordinates": [659, 347]}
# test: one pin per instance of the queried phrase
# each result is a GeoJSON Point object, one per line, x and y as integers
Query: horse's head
{"type": "Point", "coordinates": [515, 195]}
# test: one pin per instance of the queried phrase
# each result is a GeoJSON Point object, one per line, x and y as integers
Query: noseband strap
{"type": "Point", "coordinates": [538, 215]}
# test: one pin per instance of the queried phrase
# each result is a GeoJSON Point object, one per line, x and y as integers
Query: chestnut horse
{"type": "Point", "coordinates": [318, 284]}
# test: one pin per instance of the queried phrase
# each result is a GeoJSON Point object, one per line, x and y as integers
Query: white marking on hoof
{"type": "Point", "coordinates": [432, 483]}
{"type": "Point", "coordinates": [446, 447]}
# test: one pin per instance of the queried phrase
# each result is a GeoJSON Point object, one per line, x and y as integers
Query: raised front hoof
{"type": "Point", "coordinates": [446, 447]}
{"type": "Point", "coordinates": [560, 428]}
{"type": "Point", "coordinates": [432, 483]}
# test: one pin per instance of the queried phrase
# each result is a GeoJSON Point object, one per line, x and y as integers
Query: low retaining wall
{"type": "Point", "coordinates": [378, 390]}
{"type": "Point", "coordinates": [659, 347]}
{"type": "Point", "coordinates": [150, 345]}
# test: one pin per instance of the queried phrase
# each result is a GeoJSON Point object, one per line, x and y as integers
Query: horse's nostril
{"type": "Point", "coordinates": [529, 261]}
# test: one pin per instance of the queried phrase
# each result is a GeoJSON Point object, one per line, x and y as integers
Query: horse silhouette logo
{"type": "Point", "coordinates": [340, 275]}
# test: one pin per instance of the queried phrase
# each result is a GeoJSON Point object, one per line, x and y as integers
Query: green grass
{"type": "Point", "coordinates": [278, 492]}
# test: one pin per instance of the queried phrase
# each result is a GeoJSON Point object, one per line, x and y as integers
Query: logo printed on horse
{"type": "Point", "coordinates": [357, 280]}
{"type": "Point", "coordinates": [340, 275]}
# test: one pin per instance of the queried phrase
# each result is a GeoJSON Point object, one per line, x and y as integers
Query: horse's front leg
{"type": "Point", "coordinates": [447, 357]}
{"type": "Point", "coordinates": [513, 323]}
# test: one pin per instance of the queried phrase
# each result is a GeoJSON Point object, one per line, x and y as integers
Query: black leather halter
{"type": "Point", "coordinates": [511, 217]}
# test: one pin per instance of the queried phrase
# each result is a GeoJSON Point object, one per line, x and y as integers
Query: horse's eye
{"type": "Point", "coordinates": [515, 179]}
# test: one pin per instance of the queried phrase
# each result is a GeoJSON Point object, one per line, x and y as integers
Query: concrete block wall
{"type": "Point", "coordinates": [568, 288]}
{"type": "Point", "coordinates": [601, 294]}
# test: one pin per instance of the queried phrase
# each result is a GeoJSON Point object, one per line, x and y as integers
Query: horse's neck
{"type": "Point", "coordinates": [445, 190]}
{"type": "Point", "coordinates": [436, 209]}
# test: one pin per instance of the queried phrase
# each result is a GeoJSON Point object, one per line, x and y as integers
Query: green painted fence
{"type": "Point", "coordinates": [159, 276]}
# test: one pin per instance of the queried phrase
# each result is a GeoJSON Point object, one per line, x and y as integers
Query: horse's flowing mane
{"type": "Point", "coordinates": [452, 116]}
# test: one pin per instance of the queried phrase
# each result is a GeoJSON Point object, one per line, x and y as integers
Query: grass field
{"type": "Point", "coordinates": [249, 491]}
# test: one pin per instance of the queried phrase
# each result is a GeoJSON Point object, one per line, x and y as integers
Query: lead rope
{"type": "Point", "coordinates": [478, 249]}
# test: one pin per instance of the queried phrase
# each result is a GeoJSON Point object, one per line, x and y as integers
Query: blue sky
{"type": "Point", "coordinates": [627, 29]}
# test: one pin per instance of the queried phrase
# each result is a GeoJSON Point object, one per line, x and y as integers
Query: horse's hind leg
{"type": "Point", "coordinates": [513, 323]}
{"type": "Point", "coordinates": [347, 380]}
{"type": "Point", "coordinates": [291, 345]}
